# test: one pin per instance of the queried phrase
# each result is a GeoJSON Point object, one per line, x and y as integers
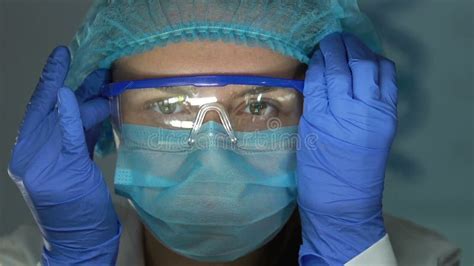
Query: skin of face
{"type": "Point", "coordinates": [210, 58]}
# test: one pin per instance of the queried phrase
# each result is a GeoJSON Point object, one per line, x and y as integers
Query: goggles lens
{"type": "Point", "coordinates": [237, 107]}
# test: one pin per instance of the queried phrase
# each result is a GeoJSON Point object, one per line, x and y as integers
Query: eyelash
{"type": "Point", "coordinates": [153, 103]}
{"type": "Point", "coordinates": [149, 105]}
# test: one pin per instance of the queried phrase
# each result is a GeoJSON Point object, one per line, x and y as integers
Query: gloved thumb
{"type": "Point", "coordinates": [73, 139]}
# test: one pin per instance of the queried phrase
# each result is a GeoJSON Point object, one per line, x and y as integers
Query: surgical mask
{"type": "Point", "coordinates": [204, 189]}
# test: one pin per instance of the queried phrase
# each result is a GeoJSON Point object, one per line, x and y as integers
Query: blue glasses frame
{"type": "Point", "coordinates": [116, 88]}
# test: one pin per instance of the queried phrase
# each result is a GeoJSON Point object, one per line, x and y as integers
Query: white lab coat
{"type": "Point", "coordinates": [413, 244]}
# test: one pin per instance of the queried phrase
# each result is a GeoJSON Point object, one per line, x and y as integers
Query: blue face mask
{"type": "Point", "coordinates": [216, 201]}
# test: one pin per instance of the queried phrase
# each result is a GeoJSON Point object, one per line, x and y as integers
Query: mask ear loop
{"type": "Point", "coordinates": [200, 118]}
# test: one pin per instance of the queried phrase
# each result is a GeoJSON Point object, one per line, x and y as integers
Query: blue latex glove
{"type": "Point", "coordinates": [87, 97]}
{"type": "Point", "coordinates": [348, 125]}
{"type": "Point", "coordinates": [50, 163]}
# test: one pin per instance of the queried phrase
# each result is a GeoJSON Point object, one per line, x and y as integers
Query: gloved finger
{"type": "Point", "coordinates": [388, 81]}
{"type": "Point", "coordinates": [90, 88]}
{"type": "Point", "coordinates": [365, 69]}
{"type": "Point", "coordinates": [44, 98]}
{"type": "Point", "coordinates": [315, 89]}
{"type": "Point", "coordinates": [93, 112]}
{"type": "Point", "coordinates": [92, 136]}
{"type": "Point", "coordinates": [73, 139]}
{"type": "Point", "coordinates": [338, 75]}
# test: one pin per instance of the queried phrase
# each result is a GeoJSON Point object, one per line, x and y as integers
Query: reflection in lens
{"type": "Point", "coordinates": [248, 108]}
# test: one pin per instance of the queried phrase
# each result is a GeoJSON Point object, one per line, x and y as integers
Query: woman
{"type": "Point", "coordinates": [218, 142]}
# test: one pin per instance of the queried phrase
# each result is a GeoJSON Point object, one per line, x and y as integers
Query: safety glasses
{"type": "Point", "coordinates": [238, 103]}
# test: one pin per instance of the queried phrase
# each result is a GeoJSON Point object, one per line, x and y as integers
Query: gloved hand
{"type": "Point", "coordinates": [91, 105]}
{"type": "Point", "coordinates": [50, 163]}
{"type": "Point", "coordinates": [347, 128]}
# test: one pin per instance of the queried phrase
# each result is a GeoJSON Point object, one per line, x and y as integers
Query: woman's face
{"type": "Point", "coordinates": [207, 58]}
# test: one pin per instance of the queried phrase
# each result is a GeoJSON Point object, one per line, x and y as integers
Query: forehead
{"type": "Point", "coordinates": [207, 58]}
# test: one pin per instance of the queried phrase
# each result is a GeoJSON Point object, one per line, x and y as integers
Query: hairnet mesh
{"type": "Point", "coordinates": [113, 29]}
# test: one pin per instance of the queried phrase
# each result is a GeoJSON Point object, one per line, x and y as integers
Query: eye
{"type": "Point", "coordinates": [167, 106]}
{"type": "Point", "coordinates": [259, 108]}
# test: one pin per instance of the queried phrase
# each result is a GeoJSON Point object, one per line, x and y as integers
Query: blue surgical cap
{"type": "Point", "coordinates": [117, 28]}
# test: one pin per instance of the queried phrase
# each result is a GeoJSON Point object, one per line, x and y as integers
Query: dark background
{"type": "Point", "coordinates": [430, 176]}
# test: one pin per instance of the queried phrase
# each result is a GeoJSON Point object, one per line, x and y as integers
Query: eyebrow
{"type": "Point", "coordinates": [256, 90]}
{"type": "Point", "coordinates": [185, 90]}
{"type": "Point", "coordinates": [175, 89]}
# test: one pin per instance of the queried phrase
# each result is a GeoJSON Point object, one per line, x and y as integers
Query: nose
{"type": "Point", "coordinates": [214, 109]}
{"type": "Point", "coordinates": [212, 115]}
